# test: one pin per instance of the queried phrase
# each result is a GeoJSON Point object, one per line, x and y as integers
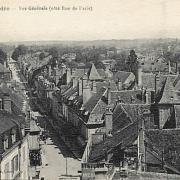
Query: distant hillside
{"type": "Point", "coordinates": [128, 43]}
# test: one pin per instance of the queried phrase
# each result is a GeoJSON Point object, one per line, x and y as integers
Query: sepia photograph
{"type": "Point", "coordinates": [89, 90]}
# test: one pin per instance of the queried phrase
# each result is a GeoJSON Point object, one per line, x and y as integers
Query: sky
{"type": "Point", "coordinates": [109, 19]}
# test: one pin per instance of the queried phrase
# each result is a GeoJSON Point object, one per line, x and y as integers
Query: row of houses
{"type": "Point", "coordinates": [16, 131]}
{"type": "Point", "coordinates": [125, 119]}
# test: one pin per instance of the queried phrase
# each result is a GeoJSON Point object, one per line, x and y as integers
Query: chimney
{"type": "Point", "coordinates": [57, 75]}
{"type": "Point", "coordinates": [119, 100]}
{"type": "Point", "coordinates": [49, 70]}
{"type": "Point", "coordinates": [86, 93]}
{"type": "Point", "coordinates": [109, 95]}
{"type": "Point", "coordinates": [140, 76]}
{"type": "Point", "coordinates": [132, 99]}
{"type": "Point", "coordinates": [68, 76]}
{"type": "Point", "coordinates": [74, 82]}
{"type": "Point", "coordinates": [120, 85]}
{"type": "Point", "coordinates": [108, 121]}
{"type": "Point", "coordinates": [94, 88]}
{"type": "Point", "coordinates": [169, 66]}
{"type": "Point", "coordinates": [177, 72]}
{"type": "Point", "coordinates": [148, 97]}
{"type": "Point", "coordinates": [7, 103]}
{"type": "Point", "coordinates": [80, 87]}
{"type": "Point", "coordinates": [28, 119]}
{"type": "Point", "coordinates": [141, 146]}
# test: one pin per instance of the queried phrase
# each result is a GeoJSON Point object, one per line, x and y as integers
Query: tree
{"type": "Point", "coordinates": [41, 56]}
{"type": "Point", "coordinates": [20, 50]}
{"type": "Point", "coordinates": [3, 56]}
{"type": "Point", "coordinates": [132, 61]}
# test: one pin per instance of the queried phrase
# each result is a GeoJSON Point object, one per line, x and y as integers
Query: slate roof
{"type": "Point", "coordinates": [169, 94]}
{"type": "Point", "coordinates": [93, 73]}
{"type": "Point", "coordinates": [16, 98]}
{"type": "Point", "coordinates": [8, 121]}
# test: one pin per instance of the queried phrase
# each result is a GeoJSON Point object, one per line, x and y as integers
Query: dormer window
{"type": "Point", "coordinates": [6, 142]}
{"type": "Point", "coordinates": [13, 136]}
{"type": "Point", "coordinates": [23, 132]}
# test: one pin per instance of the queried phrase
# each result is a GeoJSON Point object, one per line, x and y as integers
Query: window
{"type": "Point", "coordinates": [6, 142]}
{"type": "Point", "coordinates": [23, 132]}
{"type": "Point", "coordinates": [14, 165]}
{"type": "Point", "coordinates": [13, 136]}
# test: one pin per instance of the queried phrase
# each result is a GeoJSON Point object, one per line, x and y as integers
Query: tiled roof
{"type": "Point", "coordinates": [89, 106]}
{"type": "Point", "coordinates": [70, 92]}
{"type": "Point", "coordinates": [176, 83]}
{"type": "Point", "coordinates": [166, 141]}
{"type": "Point", "coordinates": [120, 118]}
{"type": "Point", "coordinates": [102, 73]}
{"type": "Point", "coordinates": [3, 69]}
{"type": "Point", "coordinates": [148, 80]}
{"type": "Point", "coordinates": [126, 96]}
{"type": "Point", "coordinates": [124, 137]}
{"type": "Point", "coordinates": [121, 76]}
{"type": "Point", "coordinates": [125, 124]}
{"type": "Point", "coordinates": [80, 72]}
{"type": "Point", "coordinates": [177, 115]}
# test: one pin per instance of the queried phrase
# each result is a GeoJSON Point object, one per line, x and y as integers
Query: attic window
{"type": "Point", "coordinates": [5, 142]}
{"type": "Point", "coordinates": [13, 136]}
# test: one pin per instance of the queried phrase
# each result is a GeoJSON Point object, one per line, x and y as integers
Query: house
{"type": "Point", "coordinates": [5, 73]}
{"type": "Point", "coordinates": [131, 118]}
{"type": "Point", "coordinates": [14, 149]}
{"type": "Point", "coordinates": [83, 101]}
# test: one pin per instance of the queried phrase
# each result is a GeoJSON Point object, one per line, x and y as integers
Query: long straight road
{"type": "Point", "coordinates": [57, 158]}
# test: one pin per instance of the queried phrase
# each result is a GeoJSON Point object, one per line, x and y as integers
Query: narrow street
{"type": "Point", "coordinates": [57, 158]}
